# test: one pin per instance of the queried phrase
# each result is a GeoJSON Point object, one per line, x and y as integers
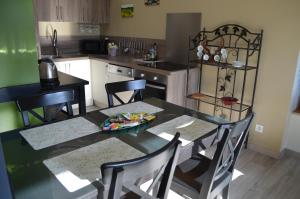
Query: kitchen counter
{"type": "Point", "coordinates": [127, 61]}
{"type": "Point", "coordinates": [172, 76]}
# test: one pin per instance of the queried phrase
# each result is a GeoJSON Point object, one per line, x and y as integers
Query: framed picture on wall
{"type": "Point", "coordinates": [151, 2]}
{"type": "Point", "coordinates": [127, 10]}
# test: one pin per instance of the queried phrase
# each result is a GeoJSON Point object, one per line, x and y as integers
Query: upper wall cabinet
{"type": "Point", "coordinates": [101, 11]}
{"type": "Point", "coordinates": [47, 10]}
{"type": "Point", "coordinates": [78, 11]}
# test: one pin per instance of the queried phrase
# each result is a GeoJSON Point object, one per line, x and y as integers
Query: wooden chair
{"type": "Point", "coordinates": [55, 100]}
{"type": "Point", "coordinates": [127, 175]}
{"type": "Point", "coordinates": [116, 87]}
{"type": "Point", "coordinates": [6, 189]}
{"type": "Point", "coordinates": [204, 178]}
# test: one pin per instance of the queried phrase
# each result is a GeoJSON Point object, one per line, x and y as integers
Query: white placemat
{"type": "Point", "coordinates": [135, 107]}
{"type": "Point", "coordinates": [59, 132]}
{"type": "Point", "coordinates": [81, 167]}
{"type": "Point", "coordinates": [190, 129]}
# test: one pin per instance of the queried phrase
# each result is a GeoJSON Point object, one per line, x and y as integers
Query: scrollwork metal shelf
{"type": "Point", "coordinates": [241, 45]}
{"type": "Point", "coordinates": [222, 65]}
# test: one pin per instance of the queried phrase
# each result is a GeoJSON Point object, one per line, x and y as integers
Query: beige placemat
{"type": "Point", "coordinates": [135, 107]}
{"type": "Point", "coordinates": [190, 129]}
{"type": "Point", "coordinates": [81, 167]}
{"type": "Point", "coordinates": [59, 132]}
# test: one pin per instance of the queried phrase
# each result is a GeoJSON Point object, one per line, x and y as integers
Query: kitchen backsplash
{"type": "Point", "coordinates": [68, 29]}
{"type": "Point", "coordinates": [136, 46]}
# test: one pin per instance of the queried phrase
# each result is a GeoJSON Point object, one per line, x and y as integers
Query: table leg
{"type": "Point", "coordinates": [81, 100]}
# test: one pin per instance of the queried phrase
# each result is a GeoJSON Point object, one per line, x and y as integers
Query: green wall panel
{"type": "Point", "coordinates": [18, 56]}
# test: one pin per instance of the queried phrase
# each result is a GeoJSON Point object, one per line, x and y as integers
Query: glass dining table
{"type": "Point", "coordinates": [31, 178]}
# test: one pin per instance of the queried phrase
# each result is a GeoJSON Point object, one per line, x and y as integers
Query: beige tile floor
{"type": "Point", "coordinates": [258, 176]}
{"type": "Point", "coordinates": [261, 177]}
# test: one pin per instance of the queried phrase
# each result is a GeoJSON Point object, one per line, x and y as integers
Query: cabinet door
{"type": "Point", "coordinates": [99, 11]}
{"type": "Point", "coordinates": [47, 10]}
{"type": "Point", "coordinates": [69, 10]}
{"type": "Point", "coordinates": [95, 11]}
{"type": "Point", "coordinates": [85, 10]}
{"type": "Point", "coordinates": [62, 67]}
{"type": "Point", "coordinates": [99, 79]}
{"type": "Point", "coordinates": [82, 70]}
{"type": "Point", "coordinates": [104, 13]}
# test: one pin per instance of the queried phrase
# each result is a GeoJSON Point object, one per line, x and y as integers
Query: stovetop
{"type": "Point", "coordinates": [168, 66]}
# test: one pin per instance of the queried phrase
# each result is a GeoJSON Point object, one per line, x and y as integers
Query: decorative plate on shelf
{"type": "Point", "coordinates": [229, 100]}
{"type": "Point", "coordinates": [198, 96]}
{"type": "Point", "coordinates": [124, 121]}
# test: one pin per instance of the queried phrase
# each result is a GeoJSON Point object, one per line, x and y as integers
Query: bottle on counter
{"type": "Point", "coordinates": [153, 52]}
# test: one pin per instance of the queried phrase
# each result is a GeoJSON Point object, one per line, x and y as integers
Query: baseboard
{"type": "Point", "coordinates": [264, 151]}
{"type": "Point", "coordinates": [289, 152]}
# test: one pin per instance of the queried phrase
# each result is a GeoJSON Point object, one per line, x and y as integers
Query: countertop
{"type": "Point", "coordinates": [122, 60]}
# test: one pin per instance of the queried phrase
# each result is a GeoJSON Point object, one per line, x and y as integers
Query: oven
{"type": "Point", "coordinates": [155, 84]}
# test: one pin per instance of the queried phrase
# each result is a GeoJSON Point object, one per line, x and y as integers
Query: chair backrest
{"type": "Point", "coordinates": [228, 149]}
{"type": "Point", "coordinates": [6, 190]}
{"type": "Point", "coordinates": [125, 175]}
{"type": "Point", "coordinates": [116, 87]}
{"type": "Point", "coordinates": [60, 98]}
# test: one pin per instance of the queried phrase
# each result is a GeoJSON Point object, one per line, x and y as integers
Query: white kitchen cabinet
{"type": "Point", "coordinates": [62, 66]}
{"type": "Point", "coordinates": [80, 69]}
{"type": "Point", "coordinates": [99, 79]}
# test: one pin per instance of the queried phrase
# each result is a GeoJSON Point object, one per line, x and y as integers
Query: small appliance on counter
{"type": "Point", "coordinates": [94, 46]}
{"type": "Point", "coordinates": [48, 73]}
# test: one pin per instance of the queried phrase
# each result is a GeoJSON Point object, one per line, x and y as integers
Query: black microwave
{"type": "Point", "coordinates": [94, 46]}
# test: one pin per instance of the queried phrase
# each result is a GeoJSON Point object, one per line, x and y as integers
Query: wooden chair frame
{"type": "Point", "coordinates": [60, 98]}
{"type": "Point", "coordinates": [6, 190]}
{"type": "Point", "coordinates": [217, 178]}
{"type": "Point", "coordinates": [116, 87]}
{"type": "Point", "coordinates": [127, 175]}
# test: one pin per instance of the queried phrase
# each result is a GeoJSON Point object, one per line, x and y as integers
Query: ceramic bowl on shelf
{"type": "Point", "coordinates": [199, 55]}
{"type": "Point", "coordinates": [206, 57]}
{"type": "Point", "coordinates": [237, 64]}
{"type": "Point", "coordinates": [229, 100]}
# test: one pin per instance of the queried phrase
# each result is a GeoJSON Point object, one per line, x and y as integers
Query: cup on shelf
{"type": "Point", "coordinates": [206, 57]}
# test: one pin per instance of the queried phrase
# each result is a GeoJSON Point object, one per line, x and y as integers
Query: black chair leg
{"type": "Point", "coordinates": [246, 141]}
{"type": "Point", "coordinates": [225, 192]}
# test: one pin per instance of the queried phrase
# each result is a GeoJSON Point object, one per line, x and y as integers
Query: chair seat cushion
{"type": "Point", "coordinates": [192, 172]}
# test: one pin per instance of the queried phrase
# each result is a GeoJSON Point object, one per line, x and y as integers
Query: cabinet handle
{"type": "Point", "coordinates": [56, 12]}
{"type": "Point", "coordinates": [83, 15]}
{"type": "Point", "coordinates": [61, 15]}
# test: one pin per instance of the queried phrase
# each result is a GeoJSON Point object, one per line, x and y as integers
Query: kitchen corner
{"type": "Point", "coordinates": [164, 81]}
{"type": "Point", "coordinates": [162, 63]}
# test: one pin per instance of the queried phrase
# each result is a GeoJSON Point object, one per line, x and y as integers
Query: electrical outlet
{"type": "Point", "coordinates": [259, 128]}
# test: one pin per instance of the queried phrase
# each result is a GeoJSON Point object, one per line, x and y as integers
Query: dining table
{"type": "Point", "coordinates": [42, 161]}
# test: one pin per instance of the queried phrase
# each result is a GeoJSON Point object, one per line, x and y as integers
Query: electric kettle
{"type": "Point", "coordinates": [48, 73]}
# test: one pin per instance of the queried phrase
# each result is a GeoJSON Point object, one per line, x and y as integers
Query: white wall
{"type": "Point", "coordinates": [292, 130]}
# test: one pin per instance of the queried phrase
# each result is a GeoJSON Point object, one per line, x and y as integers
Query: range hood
{"type": "Point", "coordinates": [179, 27]}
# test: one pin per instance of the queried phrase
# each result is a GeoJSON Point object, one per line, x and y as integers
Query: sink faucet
{"type": "Point", "coordinates": [54, 42]}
